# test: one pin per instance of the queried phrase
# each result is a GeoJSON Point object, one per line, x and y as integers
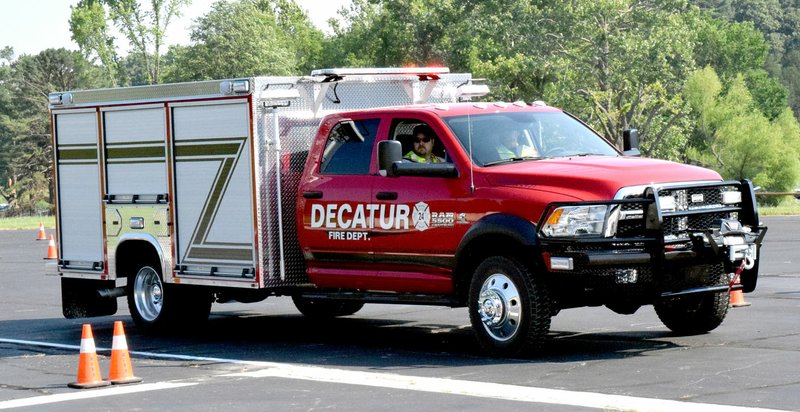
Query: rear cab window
{"type": "Point", "coordinates": [348, 149]}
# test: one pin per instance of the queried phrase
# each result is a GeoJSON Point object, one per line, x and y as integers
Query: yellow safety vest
{"type": "Point", "coordinates": [524, 151]}
{"type": "Point", "coordinates": [419, 159]}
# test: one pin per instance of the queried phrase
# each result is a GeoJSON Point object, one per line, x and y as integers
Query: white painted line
{"type": "Point", "coordinates": [488, 390]}
{"type": "Point", "coordinates": [88, 394]}
{"type": "Point", "coordinates": [440, 385]}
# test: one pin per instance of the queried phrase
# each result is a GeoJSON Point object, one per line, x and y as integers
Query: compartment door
{"type": "Point", "coordinates": [79, 190]}
{"type": "Point", "coordinates": [213, 189]}
{"type": "Point", "coordinates": [135, 139]}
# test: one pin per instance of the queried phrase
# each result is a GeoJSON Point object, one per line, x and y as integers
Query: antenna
{"type": "Point", "coordinates": [471, 159]}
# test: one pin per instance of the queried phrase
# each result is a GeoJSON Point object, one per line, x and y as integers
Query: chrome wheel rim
{"type": "Point", "coordinates": [148, 294]}
{"type": "Point", "coordinates": [500, 307]}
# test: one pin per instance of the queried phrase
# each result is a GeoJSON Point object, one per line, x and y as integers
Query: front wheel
{"type": "Point", "coordinates": [509, 309]}
{"type": "Point", "coordinates": [693, 314]}
{"type": "Point", "coordinates": [155, 305]}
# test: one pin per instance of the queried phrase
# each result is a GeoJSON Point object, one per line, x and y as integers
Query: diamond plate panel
{"type": "Point", "coordinates": [280, 159]}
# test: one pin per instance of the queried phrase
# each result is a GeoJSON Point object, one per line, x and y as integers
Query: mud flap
{"type": "Point", "coordinates": [80, 299]}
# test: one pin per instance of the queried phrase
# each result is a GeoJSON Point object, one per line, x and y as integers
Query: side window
{"type": "Point", "coordinates": [403, 130]}
{"type": "Point", "coordinates": [349, 148]}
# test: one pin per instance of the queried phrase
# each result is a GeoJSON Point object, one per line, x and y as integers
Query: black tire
{"type": "Point", "coordinates": [509, 309]}
{"type": "Point", "coordinates": [324, 308]}
{"type": "Point", "coordinates": [156, 306]}
{"type": "Point", "coordinates": [693, 314]}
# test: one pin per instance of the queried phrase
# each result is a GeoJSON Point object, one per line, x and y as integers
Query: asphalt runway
{"type": "Point", "coordinates": [266, 356]}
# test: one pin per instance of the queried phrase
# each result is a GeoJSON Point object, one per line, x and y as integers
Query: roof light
{"type": "Point", "coordinates": [234, 86]}
{"type": "Point", "coordinates": [539, 103]}
{"type": "Point", "coordinates": [56, 99]}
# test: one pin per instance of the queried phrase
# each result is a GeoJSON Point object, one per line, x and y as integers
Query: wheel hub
{"type": "Point", "coordinates": [500, 307]}
{"type": "Point", "coordinates": [492, 308]}
{"type": "Point", "coordinates": [148, 294]}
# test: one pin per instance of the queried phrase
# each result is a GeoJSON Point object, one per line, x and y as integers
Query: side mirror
{"type": "Point", "coordinates": [391, 164]}
{"type": "Point", "coordinates": [389, 153]}
{"type": "Point", "coordinates": [630, 142]}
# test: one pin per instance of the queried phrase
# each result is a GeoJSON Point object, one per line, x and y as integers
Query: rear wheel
{"type": "Point", "coordinates": [509, 309]}
{"type": "Point", "coordinates": [155, 305]}
{"type": "Point", "coordinates": [323, 308]}
{"type": "Point", "coordinates": [693, 314]}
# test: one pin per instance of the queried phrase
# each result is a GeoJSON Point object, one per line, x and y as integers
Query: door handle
{"type": "Point", "coordinates": [386, 196]}
{"type": "Point", "coordinates": [312, 195]}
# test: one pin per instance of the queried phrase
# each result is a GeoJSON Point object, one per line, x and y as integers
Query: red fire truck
{"type": "Point", "coordinates": [178, 196]}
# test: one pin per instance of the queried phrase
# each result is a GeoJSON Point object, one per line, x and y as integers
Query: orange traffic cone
{"type": "Point", "coordinates": [121, 368]}
{"type": "Point", "coordinates": [737, 297]}
{"type": "Point", "coordinates": [42, 235]}
{"type": "Point", "coordinates": [88, 367]}
{"type": "Point", "coordinates": [52, 253]}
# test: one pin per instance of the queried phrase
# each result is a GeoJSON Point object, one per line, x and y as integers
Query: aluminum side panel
{"type": "Point", "coordinates": [213, 189]}
{"type": "Point", "coordinates": [80, 213]}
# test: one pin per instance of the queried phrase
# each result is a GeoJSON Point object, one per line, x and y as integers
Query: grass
{"type": "Point", "coordinates": [28, 222]}
{"type": "Point", "coordinates": [784, 209]}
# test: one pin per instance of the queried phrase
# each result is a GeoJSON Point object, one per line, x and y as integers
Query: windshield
{"type": "Point", "coordinates": [499, 138]}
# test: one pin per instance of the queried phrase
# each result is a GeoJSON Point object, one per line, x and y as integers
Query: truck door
{"type": "Point", "coordinates": [335, 203]}
{"type": "Point", "coordinates": [79, 192]}
{"type": "Point", "coordinates": [418, 254]}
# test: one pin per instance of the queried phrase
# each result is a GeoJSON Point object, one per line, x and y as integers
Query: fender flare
{"type": "Point", "coordinates": [142, 237]}
{"type": "Point", "coordinates": [513, 227]}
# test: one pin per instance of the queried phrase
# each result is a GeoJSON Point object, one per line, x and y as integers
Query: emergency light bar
{"type": "Point", "coordinates": [417, 71]}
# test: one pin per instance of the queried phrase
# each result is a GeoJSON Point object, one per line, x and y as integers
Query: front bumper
{"type": "Point", "coordinates": [664, 253]}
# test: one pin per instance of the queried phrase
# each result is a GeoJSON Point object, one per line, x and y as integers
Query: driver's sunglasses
{"type": "Point", "coordinates": [423, 140]}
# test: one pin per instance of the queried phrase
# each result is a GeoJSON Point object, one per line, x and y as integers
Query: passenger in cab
{"type": "Point", "coordinates": [510, 146]}
{"type": "Point", "coordinates": [423, 140]}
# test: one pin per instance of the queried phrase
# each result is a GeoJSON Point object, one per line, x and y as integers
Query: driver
{"type": "Point", "coordinates": [423, 140]}
{"type": "Point", "coordinates": [510, 147]}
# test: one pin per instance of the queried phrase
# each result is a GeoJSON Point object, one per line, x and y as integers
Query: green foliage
{"type": "Point", "coordinates": [247, 38]}
{"type": "Point", "coordinates": [396, 33]}
{"type": "Point", "coordinates": [778, 24]}
{"type": "Point", "coordinates": [25, 140]}
{"type": "Point", "coordinates": [88, 24]}
{"type": "Point", "coordinates": [144, 29]}
{"type": "Point", "coordinates": [735, 138]}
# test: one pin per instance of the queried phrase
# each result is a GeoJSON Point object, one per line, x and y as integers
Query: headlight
{"type": "Point", "coordinates": [566, 221]}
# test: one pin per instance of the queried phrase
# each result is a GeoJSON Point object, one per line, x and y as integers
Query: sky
{"type": "Point", "coordinates": [30, 26]}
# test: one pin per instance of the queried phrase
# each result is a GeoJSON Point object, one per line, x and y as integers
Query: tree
{"type": "Point", "coordinates": [247, 38]}
{"type": "Point", "coordinates": [25, 140]}
{"type": "Point", "coordinates": [777, 22]}
{"type": "Point", "coordinates": [735, 138]}
{"type": "Point", "coordinates": [144, 30]}
{"type": "Point", "coordinates": [622, 65]}
{"type": "Point", "coordinates": [396, 33]}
